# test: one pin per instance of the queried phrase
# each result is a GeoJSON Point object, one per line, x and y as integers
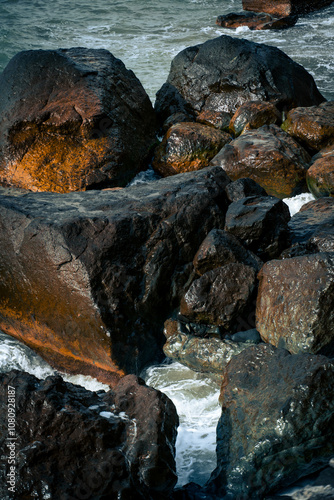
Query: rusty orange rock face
{"type": "Point", "coordinates": [320, 176]}
{"type": "Point", "coordinates": [252, 115]}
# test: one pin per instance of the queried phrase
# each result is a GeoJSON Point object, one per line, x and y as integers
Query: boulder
{"type": "Point", "coordinates": [217, 119]}
{"type": "Point", "coordinates": [73, 443]}
{"type": "Point", "coordinates": [320, 175]}
{"type": "Point", "coordinates": [314, 222]}
{"type": "Point", "coordinates": [256, 21]}
{"type": "Point", "coordinates": [223, 296]}
{"type": "Point", "coordinates": [277, 421]}
{"type": "Point", "coordinates": [312, 126]}
{"type": "Point", "coordinates": [187, 147]}
{"type": "Point", "coordinates": [295, 304]}
{"type": "Point", "coordinates": [223, 73]}
{"type": "Point", "coordinates": [71, 120]}
{"type": "Point", "coordinates": [270, 157]}
{"type": "Point", "coordinates": [254, 114]}
{"type": "Point", "coordinates": [284, 7]}
{"type": "Point", "coordinates": [242, 188]}
{"type": "Point", "coordinates": [261, 224]}
{"type": "Point", "coordinates": [88, 279]}
{"type": "Point", "coordinates": [221, 248]}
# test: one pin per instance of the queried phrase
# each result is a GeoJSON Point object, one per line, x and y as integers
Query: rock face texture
{"type": "Point", "coordinates": [87, 279]}
{"type": "Point", "coordinates": [295, 304]}
{"type": "Point", "coordinates": [284, 7]}
{"type": "Point", "coordinates": [72, 119]}
{"type": "Point", "coordinates": [320, 175]}
{"type": "Point", "coordinates": [256, 21]}
{"type": "Point", "coordinates": [222, 297]}
{"type": "Point", "coordinates": [313, 222]}
{"type": "Point", "coordinates": [187, 147]}
{"type": "Point", "coordinates": [270, 157]}
{"type": "Point", "coordinates": [268, 437]}
{"type": "Point", "coordinates": [261, 224]}
{"type": "Point", "coordinates": [242, 188]}
{"type": "Point", "coordinates": [254, 114]}
{"type": "Point", "coordinates": [73, 443]}
{"type": "Point", "coordinates": [223, 73]}
{"type": "Point", "coordinates": [312, 126]}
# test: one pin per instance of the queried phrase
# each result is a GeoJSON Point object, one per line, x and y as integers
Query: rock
{"type": "Point", "coordinates": [320, 175]}
{"type": "Point", "coordinates": [242, 188]}
{"type": "Point", "coordinates": [223, 73]}
{"type": "Point", "coordinates": [187, 147]}
{"type": "Point", "coordinates": [256, 21]}
{"type": "Point", "coordinates": [295, 304]}
{"type": "Point", "coordinates": [270, 157]}
{"type": "Point", "coordinates": [261, 224]}
{"type": "Point", "coordinates": [182, 326]}
{"type": "Point", "coordinates": [314, 222]}
{"type": "Point", "coordinates": [247, 337]}
{"type": "Point", "coordinates": [88, 279]}
{"type": "Point", "coordinates": [205, 355]}
{"type": "Point", "coordinates": [254, 114]}
{"type": "Point", "coordinates": [220, 248]}
{"type": "Point", "coordinates": [73, 443]}
{"type": "Point", "coordinates": [217, 119]}
{"type": "Point", "coordinates": [284, 7]}
{"type": "Point", "coordinates": [72, 119]}
{"type": "Point", "coordinates": [312, 126]}
{"type": "Point", "coordinates": [222, 297]}
{"type": "Point", "coordinates": [269, 437]}
{"type": "Point", "coordinates": [175, 119]}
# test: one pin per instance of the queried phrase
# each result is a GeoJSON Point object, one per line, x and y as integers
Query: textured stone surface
{"type": "Point", "coordinates": [187, 147]}
{"type": "Point", "coordinates": [73, 443]}
{"type": "Point", "coordinates": [315, 220]}
{"type": "Point", "coordinates": [217, 119]}
{"type": "Point", "coordinates": [270, 157]}
{"type": "Point", "coordinates": [320, 175]}
{"type": "Point", "coordinates": [254, 114]}
{"type": "Point", "coordinates": [222, 297]}
{"type": "Point", "coordinates": [295, 304]}
{"type": "Point", "coordinates": [220, 248]}
{"type": "Point", "coordinates": [72, 119]}
{"type": "Point", "coordinates": [312, 126]}
{"type": "Point", "coordinates": [88, 279]}
{"type": "Point", "coordinates": [223, 73]}
{"type": "Point", "coordinates": [256, 21]}
{"type": "Point", "coordinates": [242, 188]}
{"type": "Point", "coordinates": [277, 421]}
{"type": "Point", "coordinates": [261, 224]}
{"type": "Point", "coordinates": [284, 7]}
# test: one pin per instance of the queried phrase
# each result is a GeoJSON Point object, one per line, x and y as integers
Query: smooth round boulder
{"type": "Point", "coordinates": [254, 114]}
{"type": "Point", "coordinates": [71, 120]}
{"type": "Point", "coordinates": [223, 73]}
{"type": "Point", "coordinates": [187, 147]}
{"type": "Point", "coordinates": [320, 176]}
{"type": "Point", "coordinates": [270, 157]}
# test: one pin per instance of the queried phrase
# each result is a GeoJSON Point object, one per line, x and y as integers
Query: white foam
{"type": "Point", "coordinates": [296, 202]}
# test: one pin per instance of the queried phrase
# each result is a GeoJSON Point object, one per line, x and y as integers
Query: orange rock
{"type": "Point", "coordinates": [254, 114]}
{"type": "Point", "coordinates": [320, 176]}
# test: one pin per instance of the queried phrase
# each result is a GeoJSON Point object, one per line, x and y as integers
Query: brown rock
{"type": "Point", "coordinates": [277, 422]}
{"type": "Point", "coordinates": [270, 157]}
{"type": "Point", "coordinates": [222, 297]}
{"type": "Point", "coordinates": [295, 305]}
{"type": "Point", "coordinates": [187, 147]}
{"type": "Point", "coordinates": [256, 21]}
{"type": "Point", "coordinates": [283, 8]}
{"type": "Point", "coordinates": [313, 127]}
{"type": "Point", "coordinates": [218, 119]}
{"type": "Point", "coordinates": [220, 248]}
{"type": "Point", "coordinates": [72, 119]}
{"type": "Point", "coordinates": [320, 175]}
{"type": "Point", "coordinates": [254, 114]}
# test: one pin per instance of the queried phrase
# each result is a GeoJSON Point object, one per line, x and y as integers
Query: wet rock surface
{"type": "Point", "coordinates": [223, 73]}
{"type": "Point", "coordinates": [187, 147]}
{"type": "Point", "coordinates": [270, 157]}
{"type": "Point", "coordinates": [314, 222]}
{"type": "Point", "coordinates": [261, 224]}
{"type": "Point", "coordinates": [223, 296]}
{"type": "Point", "coordinates": [284, 7]}
{"type": "Point", "coordinates": [268, 438]}
{"type": "Point", "coordinates": [73, 119]}
{"type": "Point", "coordinates": [242, 188]}
{"type": "Point", "coordinates": [73, 443]}
{"type": "Point", "coordinates": [295, 304]}
{"type": "Point", "coordinates": [320, 175]}
{"type": "Point", "coordinates": [217, 119]}
{"type": "Point", "coordinates": [253, 115]}
{"type": "Point", "coordinates": [256, 21]}
{"type": "Point", "coordinates": [87, 279]}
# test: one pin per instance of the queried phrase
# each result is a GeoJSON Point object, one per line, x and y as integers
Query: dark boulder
{"type": "Point", "coordinates": [270, 157]}
{"type": "Point", "coordinates": [72, 119]}
{"type": "Point", "coordinates": [73, 443]}
{"type": "Point", "coordinates": [223, 296]}
{"type": "Point", "coordinates": [242, 188]}
{"type": "Point", "coordinates": [320, 175]}
{"type": "Point", "coordinates": [284, 7]}
{"type": "Point", "coordinates": [254, 114]}
{"type": "Point", "coordinates": [223, 73]}
{"type": "Point", "coordinates": [187, 147]}
{"type": "Point", "coordinates": [277, 422]}
{"type": "Point", "coordinates": [88, 279]}
{"type": "Point", "coordinates": [256, 21]}
{"type": "Point", "coordinates": [261, 224]}
{"type": "Point", "coordinates": [220, 248]}
{"type": "Point", "coordinates": [314, 222]}
{"type": "Point", "coordinates": [295, 304]}
{"type": "Point", "coordinates": [312, 126]}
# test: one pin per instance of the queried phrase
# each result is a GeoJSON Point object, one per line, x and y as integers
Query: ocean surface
{"type": "Point", "coordinates": [146, 35]}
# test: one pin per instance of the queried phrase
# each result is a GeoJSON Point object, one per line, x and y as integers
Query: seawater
{"type": "Point", "coordinates": [147, 34]}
